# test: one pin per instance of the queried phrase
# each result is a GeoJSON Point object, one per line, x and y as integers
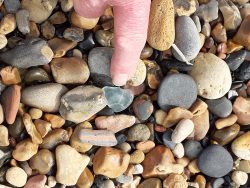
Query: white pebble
{"type": "Point", "coordinates": [138, 169]}
{"type": "Point", "coordinates": [178, 150]}
{"type": "Point", "coordinates": [239, 177]}
{"type": "Point", "coordinates": [182, 130]}
{"type": "Point", "coordinates": [16, 176]}
{"type": "Point", "coordinates": [51, 181]}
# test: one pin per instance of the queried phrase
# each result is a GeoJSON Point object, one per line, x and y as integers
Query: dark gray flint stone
{"type": "Point", "coordinates": [192, 149]}
{"type": "Point", "coordinates": [243, 72]}
{"type": "Point", "coordinates": [167, 141]}
{"type": "Point", "coordinates": [234, 60]}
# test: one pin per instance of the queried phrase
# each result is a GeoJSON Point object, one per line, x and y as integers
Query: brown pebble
{"type": "Point", "coordinates": [34, 31]}
{"type": "Point", "coordinates": [58, 18]}
{"type": "Point", "coordinates": [219, 33]}
{"type": "Point", "coordinates": [56, 120]}
{"type": "Point", "coordinates": [81, 22]}
{"type": "Point", "coordinates": [146, 146]}
{"type": "Point", "coordinates": [7, 24]}
{"type": "Point", "coordinates": [137, 157]}
{"type": "Point", "coordinates": [222, 48]}
{"type": "Point", "coordinates": [233, 47]}
{"type": "Point", "coordinates": [48, 30]}
{"type": "Point", "coordinates": [35, 113]}
{"type": "Point", "coordinates": [86, 179]}
{"type": "Point", "coordinates": [225, 122]}
{"type": "Point", "coordinates": [241, 108]}
{"type": "Point", "coordinates": [198, 107]}
{"type": "Point", "coordinates": [160, 128]}
{"type": "Point", "coordinates": [10, 75]}
{"type": "Point", "coordinates": [43, 127]}
{"type": "Point", "coordinates": [151, 183]}
{"type": "Point", "coordinates": [37, 181]}
{"type": "Point", "coordinates": [4, 136]}
{"type": "Point", "coordinates": [174, 181]}
{"type": "Point", "coordinates": [201, 181]}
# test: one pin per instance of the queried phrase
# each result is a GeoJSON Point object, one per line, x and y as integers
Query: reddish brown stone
{"type": "Point", "coordinates": [36, 182]}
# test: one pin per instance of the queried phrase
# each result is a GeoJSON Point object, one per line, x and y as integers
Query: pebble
{"type": "Point", "coordinates": [226, 135]}
{"type": "Point", "coordinates": [66, 5]}
{"type": "Point", "coordinates": [73, 34]}
{"type": "Point", "coordinates": [97, 137]}
{"type": "Point", "coordinates": [239, 177]}
{"type": "Point", "coordinates": [12, 6]}
{"type": "Point", "coordinates": [114, 123]}
{"type": "Point", "coordinates": [118, 99]}
{"type": "Point", "coordinates": [43, 127]}
{"type": "Point", "coordinates": [107, 184]}
{"type": "Point", "coordinates": [201, 181]}
{"type": "Point", "coordinates": [175, 180]}
{"type": "Point", "coordinates": [3, 41]}
{"type": "Point", "coordinates": [142, 109]}
{"type": "Point", "coordinates": [48, 30]}
{"type": "Point", "coordinates": [54, 138]}
{"type": "Point", "coordinates": [67, 162]}
{"type": "Point", "coordinates": [154, 74]}
{"type": "Point", "coordinates": [173, 88]}
{"type": "Point", "coordinates": [242, 35]}
{"type": "Point", "coordinates": [186, 38]}
{"type": "Point", "coordinates": [105, 38]}
{"type": "Point", "coordinates": [34, 31]}
{"type": "Point", "coordinates": [184, 128]}
{"type": "Point", "coordinates": [215, 80]}
{"type": "Point", "coordinates": [58, 18]}
{"type": "Point", "coordinates": [106, 158]}
{"type": "Point", "coordinates": [161, 29]}
{"type": "Point", "coordinates": [82, 102]}
{"type": "Point", "coordinates": [24, 150]}
{"type": "Point", "coordinates": [125, 147]}
{"type": "Point", "coordinates": [82, 22]}
{"type": "Point", "coordinates": [243, 72]}
{"type": "Point", "coordinates": [137, 157]}
{"type": "Point", "coordinates": [51, 181]}
{"type": "Point", "coordinates": [36, 75]}
{"type": "Point", "coordinates": [244, 165]}
{"type": "Point", "coordinates": [198, 107]}
{"type": "Point", "coordinates": [241, 109]}
{"type": "Point", "coordinates": [192, 167]}
{"type": "Point", "coordinates": [138, 169]}
{"type": "Point", "coordinates": [10, 100]}
{"type": "Point", "coordinates": [1, 114]}
{"type": "Point", "coordinates": [88, 43]}
{"type": "Point", "coordinates": [167, 140]}
{"type": "Point", "coordinates": [16, 176]}
{"type": "Point", "coordinates": [35, 113]}
{"type": "Point", "coordinates": [244, 10]}
{"type": "Point", "coordinates": [160, 116]}
{"type": "Point", "coordinates": [192, 149]}
{"type": "Point", "coordinates": [10, 75]}
{"type": "Point", "coordinates": [159, 162]}
{"type": "Point", "coordinates": [209, 11]}
{"type": "Point", "coordinates": [39, 10]}
{"type": "Point", "coordinates": [175, 115]}
{"type": "Point", "coordinates": [240, 146]}
{"type": "Point", "coordinates": [70, 70]}
{"type": "Point", "coordinates": [219, 33]}
{"type": "Point", "coordinates": [4, 141]}
{"type": "Point", "coordinates": [125, 179]}
{"type": "Point", "coordinates": [215, 161]}
{"type": "Point", "coordinates": [22, 20]}
{"type": "Point", "coordinates": [44, 96]}
{"type": "Point", "coordinates": [221, 107]}
{"type": "Point", "coordinates": [16, 128]}
{"type": "Point", "coordinates": [146, 52]}
{"type": "Point", "coordinates": [139, 132]}
{"type": "Point", "coordinates": [55, 120]}
{"type": "Point", "coordinates": [42, 161]}
{"type": "Point", "coordinates": [178, 150]}
{"type": "Point", "coordinates": [139, 75]}
{"type": "Point", "coordinates": [24, 54]}
{"type": "Point", "coordinates": [7, 24]}
{"type": "Point", "coordinates": [185, 8]}
{"type": "Point", "coordinates": [86, 179]}
{"type": "Point", "coordinates": [235, 59]}
{"type": "Point", "coordinates": [151, 182]}
{"type": "Point", "coordinates": [37, 181]}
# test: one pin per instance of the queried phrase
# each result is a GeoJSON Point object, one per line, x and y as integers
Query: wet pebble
{"type": "Point", "coordinates": [192, 149]}
{"type": "Point", "coordinates": [88, 42]}
{"type": "Point", "coordinates": [234, 60]}
{"type": "Point", "coordinates": [243, 72]}
{"type": "Point", "coordinates": [16, 128]}
{"type": "Point", "coordinates": [36, 75]}
{"type": "Point", "coordinates": [221, 107]}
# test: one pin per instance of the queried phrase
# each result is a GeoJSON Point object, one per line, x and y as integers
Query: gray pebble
{"type": "Point", "coordinates": [197, 22]}
{"type": "Point", "coordinates": [73, 34]}
{"type": "Point", "coordinates": [209, 11]}
{"type": "Point", "coordinates": [186, 38]}
{"type": "Point", "coordinates": [192, 149]}
{"type": "Point", "coordinates": [139, 132]}
{"type": "Point", "coordinates": [234, 60]}
{"type": "Point", "coordinates": [22, 20]}
{"type": "Point", "coordinates": [177, 90]}
{"type": "Point", "coordinates": [215, 161]}
{"type": "Point", "coordinates": [36, 74]}
{"type": "Point", "coordinates": [217, 183]}
{"type": "Point", "coordinates": [220, 107]}
{"type": "Point", "coordinates": [167, 141]}
{"type": "Point", "coordinates": [12, 6]}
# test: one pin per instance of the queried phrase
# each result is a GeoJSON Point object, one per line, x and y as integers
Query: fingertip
{"type": "Point", "coordinates": [119, 79]}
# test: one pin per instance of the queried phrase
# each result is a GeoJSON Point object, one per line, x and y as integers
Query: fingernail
{"type": "Point", "coordinates": [120, 79]}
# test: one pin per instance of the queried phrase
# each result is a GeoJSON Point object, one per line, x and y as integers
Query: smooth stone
{"type": "Point", "coordinates": [7, 24]}
{"type": "Point", "coordinates": [187, 38]}
{"type": "Point", "coordinates": [118, 99]}
{"type": "Point", "coordinates": [1, 114]}
{"type": "Point", "coordinates": [125, 147]}
{"type": "Point", "coordinates": [161, 29]}
{"type": "Point", "coordinates": [173, 88]}
{"type": "Point", "coordinates": [192, 149]}
{"type": "Point", "coordinates": [105, 38]}
{"type": "Point", "coordinates": [137, 157]}
{"type": "Point", "coordinates": [86, 179]}
{"type": "Point", "coordinates": [244, 165]}
{"type": "Point", "coordinates": [3, 41]}
{"type": "Point", "coordinates": [103, 138]}
{"type": "Point", "coordinates": [219, 33]}
{"type": "Point", "coordinates": [215, 80]}
{"type": "Point", "coordinates": [198, 107]}
{"type": "Point", "coordinates": [10, 75]}
{"type": "Point", "coordinates": [37, 181]}
{"type": "Point", "coordinates": [106, 184]}
{"type": "Point", "coordinates": [36, 75]}
{"type": "Point", "coordinates": [215, 161]}
{"type": "Point", "coordinates": [143, 109]}
{"type": "Point", "coordinates": [43, 127]}
{"type": "Point", "coordinates": [12, 6]}
{"type": "Point", "coordinates": [220, 107]}
{"type": "Point", "coordinates": [10, 99]}
{"type": "Point", "coordinates": [22, 20]}
{"type": "Point", "coordinates": [70, 70]}
{"type": "Point", "coordinates": [56, 121]}
{"type": "Point", "coordinates": [240, 146]}
{"type": "Point", "coordinates": [244, 10]}
{"type": "Point", "coordinates": [178, 150]}
{"type": "Point", "coordinates": [206, 29]}
{"type": "Point", "coordinates": [54, 138]}
{"type": "Point", "coordinates": [218, 182]}
{"type": "Point", "coordinates": [4, 139]}
{"type": "Point", "coordinates": [68, 168]}
{"type": "Point", "coordinates": [226, 135]}
{"type": "Point", "coordinates": [243, 72]}
{"type": "Point", "coordinates": [39, 10]}
{"type": "Point", "coordinates": [16, 128]}
{"type": "Point", "coordinates": [175, 180]}
{"type": "Point", "coordinates": [99, 65]}
{"type": "Point", "coordinates": [209, 11]}
{"type": "Point", "coordinates": [58, 18]}
{"type": "Point", "coordinates": [106, 158]}
{"type": "Point", "coordinates": [176, 64]}
{"type": "Point", "coordinates": [88, 43]}
{"type": "Point", "coordinates": [73, 34]}
{"type": "Point", "coordinates": [231, 14]}
{"type": "Point", "coordinates": [44, 96]}
{"type": "Point", "coordinates": [82, 102]}
{"type": "Point", "coordinates": [35, 113]}
{"type": "Point", "coordinates": [241, 109]}
{"type": "Point", "coordinates": [184, 128]}
{"type": "Point", "coordinates": [66, 5]}
{"type": "Point", "coordinates": [186, 7]}
{"type": "Point", "coordinates": [16, 176]}
{"type": "Point", "coordinates": [167, 140]}
{"type": "Point", "coordinates": [235, 59]}
{"type": "Point", "coordinates": [154, 74]}
{"type": "Point", "coordinates": [139, 132]}
{"type": "Point", "coordinates": [114, 123]}
{"type": "Point", "coordinates": [24, 150]}
{"type": "Point", "coordinates": [82, 22]}
{"type": "Point", "coordinates": [146, 52]}
{"type": "Point", "coordinates": [197, 23]}
{"type": "Point", "coordinates": [139, 76]}
{"type": "Point", "coordinates": [48, 30]}
{"type": "Point", "coordinates": [239, 177]}
{"type": "Point", "coordinates": [125, 179]}
{"type": "Point", "coordinates": [29, 53]}
{"type": "Point", "coordinates": [43, 161]}
{"type": "Point", "coordinates": [151, 182]}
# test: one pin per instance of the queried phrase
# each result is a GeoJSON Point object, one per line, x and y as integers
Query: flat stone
{"type": "Point", "coordinates": [243, 72]}
{"type": "Point", "coordinates": [36, 75]}
{"type": "Point", "coordinates": [16, 176]}
{"type": "Point", "coordinates": [235, 59]}
{"type": "Point", "coordinates": [143, 108]}
{"type": "Point", "coordinates": [215, 161]}
{"type": "Point", "coordinates": [22, 20]}
{"type": "Point", "coordinates": [186, 38]}
{"type": "Point", "coordinates": [68, 168]}
{"type": "Point", "coordinates": [70, 70]}
{"type": "Point", "coordinates": [12, 6]}
{"type": "Point", "coordinates": [220, 107]}
{"type": "Point", "coordinates": [241, 108]}
{"type": "Point", "coordinates": [192, 149]}
{"type": "Point", "coordinates": [86, 179]}
{"type": "Point", "coordinates": [4, 138]}
{"type": "Point", "coordinates": [43, 161]}
{"type": "Point", "coordinates": [240, 146]}
{"type": "Point", "coordinates": [118, 99]}
{"type": "Point", "coordinates": [82, 102]}
{"type": "Point", "coordinates": [114, 123]}
{"type": "Point", "coordinates": [55, 120]}
{"type": "Point", "coordinates": [37, 181]}
{"type": "Point", "coordinates": [44, 96]}
{"type": "Point", "coordinates": [215, 80]}
{"type": "Point", "coordinates": [24, 150]}
{"type": "Point", "coordinates": [97, 137]}
{"type": "Point", "coordinates": [106, 158]}
{"type": "Point", "coordinates": [151, 182]}
{"type": "Point", "coordinates": [10, 100]}
{"type": "Point", "coordinates": [177, 90]}
{"type": "Point", "coordinates": [7, 24]}
{"type": "Point", "coordinates": [184, 128]}
{"type": "Point", "coordinates": [139, 132]}
{"type": "Point", "coordinates": [209, 11]}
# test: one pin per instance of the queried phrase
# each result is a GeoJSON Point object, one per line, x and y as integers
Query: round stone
{"type": "Point", "coordinates": [239, 177]}
{"type": "Point", "coordinates": [177, 90]}
{"type": "Point", "coordinates": [215, 161]}
{"type": "Point", "coordinates": [192, 149]}
{"type": "Point", "coordinates": [212, 76]}
{"type": "Point", "coordinates": [187, 38]}
{"type": "Point", "coordinates": [16, 176]}
{"type": "Point", "coordinates": [167, 141]}
{"type": "Point", "coordinates": [241, 147]}
{"type": "Point", "coordinates": [220, 107]}
{"type": "Point", "coordinates": [139, 132]}
{"type": "Point", "coordinates": [184, 128]}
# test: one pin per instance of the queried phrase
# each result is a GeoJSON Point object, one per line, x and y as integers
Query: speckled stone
{"type": "Point", "coordinates": [139, 132]}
